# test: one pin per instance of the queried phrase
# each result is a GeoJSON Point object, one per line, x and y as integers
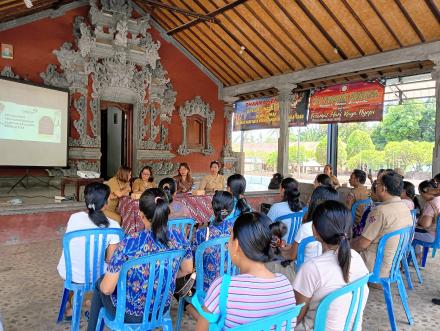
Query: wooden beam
{"type": "Point", "coordinates": [362, 25]}
{"type": "Point", "coordinates": [175, 9]}
{"type": "Point", "coordinates": [384, 22]}
{"type": "Point", "coordinates": [311, 17]}
{"type": "Point", "coordinates": [210, 14]}
{"type": "Point", "coordinates": [402, 55]}
{"type": "Point", "coordinates": [292, 20]}
{"type": "Point", "coordinates": [410, 20]}
{"type": "Point", "coordinates": [281, 26]}
{"type": "Point", "coordinates": [333, 16]}
{"type": "Point", "coordinates": [434, 10]}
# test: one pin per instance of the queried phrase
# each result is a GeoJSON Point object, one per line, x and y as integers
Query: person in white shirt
{"type": "Point", "coordinates": [96, 196]}
{"type": "Point", "coordinates": [335, 268]}
{"type": "Point", "coordinates": [290, 203]}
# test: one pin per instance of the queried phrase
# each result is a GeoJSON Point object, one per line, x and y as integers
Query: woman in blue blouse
{"type": "Point", "coordinates": [156, 237]}
{"type": "Point", "coordinates": [236, 184]}
{"type": "Point", "coordinates": [220, 226]}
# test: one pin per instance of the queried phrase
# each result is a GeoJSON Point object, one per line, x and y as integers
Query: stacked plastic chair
{"type": "Point", "coordinates": [295, 222]}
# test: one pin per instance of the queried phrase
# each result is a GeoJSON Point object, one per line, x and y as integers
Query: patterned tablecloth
{"type": "Point", "coordinates": [199, 207]}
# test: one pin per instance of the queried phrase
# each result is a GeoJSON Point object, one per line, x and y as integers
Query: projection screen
{"type": "Point", "coordinates": [33, 125]}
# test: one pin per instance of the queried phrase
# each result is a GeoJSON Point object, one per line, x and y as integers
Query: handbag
{"type": "Point", "coordinates": [216, 321]}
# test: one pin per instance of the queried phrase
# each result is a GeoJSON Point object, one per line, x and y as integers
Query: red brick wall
{"type": "Point", "coordinates": [33, 45]}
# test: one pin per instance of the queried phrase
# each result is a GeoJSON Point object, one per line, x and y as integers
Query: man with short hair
{"type": "Point", "coordinates": [390, 216]}
{"type": "Point", "coordinates": [358, 192]}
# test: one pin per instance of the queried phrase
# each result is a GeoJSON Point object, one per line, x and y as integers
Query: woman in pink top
{"type": "Point", "coordinates": [336, 267]}
{"type": "Point", "coordinates": [255, 293]}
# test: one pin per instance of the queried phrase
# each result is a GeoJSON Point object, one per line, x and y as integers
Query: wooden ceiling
{"type": "Point", "coordinates": [245, 40]}
{"type": "Point", "coordinates": [13, 9]}
{"type": "Point", "coordinates": [255, 39]}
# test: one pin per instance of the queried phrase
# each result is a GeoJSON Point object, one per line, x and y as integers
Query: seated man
{"type": "Point", "coordinates": [390, 216]}
{"type": "Point", "coordinates": [358, 192]}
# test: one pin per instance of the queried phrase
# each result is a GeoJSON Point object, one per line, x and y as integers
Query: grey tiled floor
{"type": "Point", "coordinates": [30, 292]}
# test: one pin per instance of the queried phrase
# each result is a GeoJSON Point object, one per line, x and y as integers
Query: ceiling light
{"type": "Point", "coordinates": [242, 48]}
{"type": "Point", "coordinates": [28, 3]}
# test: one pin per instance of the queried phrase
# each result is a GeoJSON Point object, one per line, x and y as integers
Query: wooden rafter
{"type": "Point", "coordinates": [283, 28]}
{"type": "Point", "coordinates": [312, 43]}
{"type": "Point", "coordinates": [341, 26]}
{"type": "Point", "coordinates": [362, 25]}
{"type": "Point", "coordinates": [385, 23]}
{"type": "Point", "coordinates": [312, 18]}
{"type": "Point", "coordinates": [179, 10]}
{"type": "Point", "coordinates": [210, 14]}
{"type": "Point", "coordinates": [410, 20]}
{"type": "Point", "coordinates": [434, 10]}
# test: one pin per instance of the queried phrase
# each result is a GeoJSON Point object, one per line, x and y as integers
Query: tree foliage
{"type": "Point", "coordinates": [357, 142]}
{"type": "Point", "coordinates": [321, 152]}
{"type": "Point", "coordinates": [372, 158]}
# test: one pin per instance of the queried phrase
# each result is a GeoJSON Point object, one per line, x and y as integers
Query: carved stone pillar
{"type": "Point", "coordinates": [435, 74]}
{"type": "Point", "coordinates": [284, 98]}
{"type": "Point", "coordinates": [230, 159]}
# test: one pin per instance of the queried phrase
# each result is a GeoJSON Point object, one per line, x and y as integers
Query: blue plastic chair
{"type": "Point", "coordinates": [427, 245]}
{"type": "Point", "coordinates": [274, 322]}
{"type": "Point", "coordinates": [295, 222]}
{"type": "Point", "coordinates": [404, 236]}
{"type": "Point", "coordinates": [94, 268]}
{"type": "Point", "coordinates": [411, 257]}
{"type": "Point", "coordinates": [356, 289]}
{"type": "Point", "coordinates": [154, 313]}
{"type": "Point", "coordinates": [182, 225]}
{"type": "Point", "coordinates": [301, 249]}
{"type": "Point", "coordinates": [354, 207]}
{"type": "Point", "coordinates": [200, 252]}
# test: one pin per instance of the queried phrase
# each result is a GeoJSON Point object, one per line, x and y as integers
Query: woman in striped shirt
{"type": "Point", "coordinates": [255, 293]}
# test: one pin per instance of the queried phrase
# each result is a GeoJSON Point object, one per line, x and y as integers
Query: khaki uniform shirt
{"type": "Point", "coordinates": [356, 194]}
{"type": "Point", "coordinates": [387, 217]}
{"type": "Point", "coordinates": [115, 185]}
{"type": "Point", "coordinates": [140, 186]}
{"type": "Point", "coordinates": [212, 183]}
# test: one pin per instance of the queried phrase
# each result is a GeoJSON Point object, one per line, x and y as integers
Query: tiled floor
{"type": "Point", "coordinates": [30, 291]}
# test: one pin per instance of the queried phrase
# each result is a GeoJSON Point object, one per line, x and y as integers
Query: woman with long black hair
{"type": "Point", "coordinates": [95, 196]}
{"type": "Point", "coordinates": [336, 267]}
{"type": "Point", "coordinates": [290, 203]}
{"type": "Point", "coordinates": [236, 184]}
{"type": "Point", "coordinates": [156, 237]}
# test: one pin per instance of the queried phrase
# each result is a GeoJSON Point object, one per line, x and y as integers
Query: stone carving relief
{"type": "Point", "coordinates": [196, 107]}
{"type": "Point", "coordinates": [7, 72]}
{"type": "Point", "coordinates": [117, 54]}
{"type": "Point", "coordinates": [164, 168]}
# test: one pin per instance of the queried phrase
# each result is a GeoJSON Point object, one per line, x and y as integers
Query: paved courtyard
{"type": "Point", "coordinates": [30, 293]}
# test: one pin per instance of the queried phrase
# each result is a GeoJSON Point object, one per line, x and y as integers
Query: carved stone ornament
{"type": "Point", "coordinates": [196, 107]}
{"type": "Point", "coordinates": [7, 72]}
{"type": "Point", "coordinates": [117, 54]}
{"type": "Point", "coordinates": [165, 168]}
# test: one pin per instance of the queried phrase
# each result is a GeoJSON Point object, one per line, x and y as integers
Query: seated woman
{"type": "Point", "coordinates": [322, 180]}
{"type": "Point", "coordinates": [145, 180]}
{"type": "Point", "coordinates": [359, 227]}
{"type": "Point", "coordinates": [290, 203]}
{"type": "Point", "coordinates": [328, 170]}
{"type": "Point", "coordinates": [184, 180]}
{"type": "Point", "coordinates": [220, 226]}
{"type": "Point", "coordinates": [177, 209]}
{"type": "Point", "coordinates": [236, 184]}
{"type": "Point", "coordinates": [335, 268]}
{"type": "Point", "coordinates": [275, 182]}
{"type": "Point", "coordinates": [119, 187]}
{"type": "Point", "coordinates": [156, 238]}
{"type": "Point", "coordinates": [256, 292]}
{"type": "Point", "coordinates": [95, 195]}
{"type": "Point", "coordinates": [427, 223]}
{"type": "Point", "coordinates": [409, 197]}
{"type": "Point", "coordinates": [214, 181]}
{"type": "Point", "coordinates": [320, 194]}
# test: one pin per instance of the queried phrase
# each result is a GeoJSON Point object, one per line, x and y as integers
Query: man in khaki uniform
{"type": "Point", "coordinates": [390, 216]}
{"type": "Point", "coordinates": [358, 192]}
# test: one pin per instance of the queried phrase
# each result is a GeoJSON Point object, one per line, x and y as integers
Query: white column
{"type": "Point", "coordinates": [284, 98]}
{"type": "Point", "coordinates": [228, 111]}
{"type": "Point", "coordinates": [435, 74]}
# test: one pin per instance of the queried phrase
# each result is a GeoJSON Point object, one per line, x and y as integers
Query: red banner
{"type": "Point", "coordinates": [352, 102]}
